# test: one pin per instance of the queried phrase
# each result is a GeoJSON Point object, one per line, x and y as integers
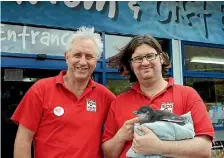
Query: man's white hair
{"type": "Point", "coordinates": [87, 33]}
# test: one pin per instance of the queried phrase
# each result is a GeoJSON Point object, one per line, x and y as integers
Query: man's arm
{"type": "Point", "coordinates": [113, 147]}
{"type": "Point", "coordinates": [198, 147]}
{"type": "Point", "coordinates": [23, 142]}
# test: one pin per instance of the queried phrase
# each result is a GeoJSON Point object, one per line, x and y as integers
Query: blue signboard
{"type": "Point", "coordinates": [190, 21]}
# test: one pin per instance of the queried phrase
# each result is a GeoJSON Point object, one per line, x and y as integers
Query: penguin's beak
{"type": "Point", "coordinates": [135, 112]}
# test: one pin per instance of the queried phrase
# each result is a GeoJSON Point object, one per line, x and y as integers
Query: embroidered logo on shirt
{"type": "Point", "coordinates": [58, 111]}
{"type": "Point", "coordinates": [167, 106]}
{"type": "Point", "coordinates": [91, 105]}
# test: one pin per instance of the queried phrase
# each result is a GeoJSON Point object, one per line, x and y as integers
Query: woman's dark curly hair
{"type": "Point", "coordinates": [122, 59]}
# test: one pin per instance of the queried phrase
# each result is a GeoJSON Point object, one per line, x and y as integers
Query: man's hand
{"type": "Point", "coordinates": [149, 143]}
{"type": "Point", "coordinates": [146, 144]}
{"type": "Point", "coordinates": [126, 132]}
{"type": "Point", "coordinates": [116, 144]}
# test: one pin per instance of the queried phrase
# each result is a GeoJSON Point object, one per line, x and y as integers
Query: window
{"type": "Point", "coordinates": [113, 43]}
{"type": "Point", "coordinates": [211, 91]}
{"type": "Point", "coordinates": [204, 71]}
{"type": "Point", "coordinates": [118, 86]}
{"type": "Point", "coordinates": [203, 59]}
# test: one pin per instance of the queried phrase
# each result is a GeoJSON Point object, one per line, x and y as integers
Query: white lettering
{"type": "Point", "coordinates": [54, 38]}
{"type": "Point", "coordinates": [33, 2]}
{"type": "Point", "coordinates": [72, 4]}
{"type": "Point", "coordinates": [136, 9]}
{"type": "Point", "coordinates": [53, 2]}
{"type": "Point", "coordinates": [45, 39]}
{"type": "Point", "coordinates": [29, 36]}
{"type": "Point", "coordinates": [19, 2]}
{"type": "Point", "coordinates": [88, 4]}
{"type": "Point", "coordinates": [63, 41]}
{"type": "Point", "coordinates": [112, 10]}
{"type": "Point", "coordinates": [33, 35]}
{"type": "Point", "coordinates": [99, 6]}
{"type": "Point", "coordinates": [2, 38]}
{"type": "Point", "coordinates": [11, 34]}
{"type": "Point", "coordinates": [23, 35]}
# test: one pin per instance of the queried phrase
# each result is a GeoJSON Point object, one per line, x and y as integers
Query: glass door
{"type": "Point", "coordinates": [14, 86]}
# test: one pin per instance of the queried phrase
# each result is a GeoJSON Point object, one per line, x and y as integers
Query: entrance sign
{"type": "Point", "coordinates": [198, 21]}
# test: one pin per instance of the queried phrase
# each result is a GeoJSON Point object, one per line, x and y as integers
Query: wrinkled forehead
{"type": "Point", "coordinates": [83, 46]}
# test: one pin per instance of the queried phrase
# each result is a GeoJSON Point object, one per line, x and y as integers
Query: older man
{"type": "Point", "coordinates": [64, 114]}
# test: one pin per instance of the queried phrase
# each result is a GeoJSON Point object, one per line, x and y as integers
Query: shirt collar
{"type": "Point", "coordinates": [136, 86]}
{"type": "Point", "coordinates": [59, 79]}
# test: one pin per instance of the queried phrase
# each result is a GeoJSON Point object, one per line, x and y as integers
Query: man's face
{"type": "Point", "coordinates": [81, 59]}
{"type": "Point", "coordinates": [147, 69]}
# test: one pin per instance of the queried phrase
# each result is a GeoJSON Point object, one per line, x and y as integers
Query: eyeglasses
{"type": "Point", "coordinates": [148, 57]}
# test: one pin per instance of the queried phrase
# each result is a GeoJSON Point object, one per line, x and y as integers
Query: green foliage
{"type": "Point", "coordinates": [118, 86]}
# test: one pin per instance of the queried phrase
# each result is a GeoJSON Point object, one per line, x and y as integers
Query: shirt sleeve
{"type": "Point", "coordinates": [29, 111]}
{"type": "Point", "coordinates": [200, 117]}
{"type": "Point", "coordinates": [110, 127]}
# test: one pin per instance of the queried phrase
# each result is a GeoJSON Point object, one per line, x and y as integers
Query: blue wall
{"type": "Point", "coordinates": [189, 21]}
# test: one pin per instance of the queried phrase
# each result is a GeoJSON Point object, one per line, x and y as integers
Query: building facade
{"type": "Point", "coordinates": [34, 35]}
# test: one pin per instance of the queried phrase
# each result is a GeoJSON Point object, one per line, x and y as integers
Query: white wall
{"type": "Point", "coordinates": [177, 62]}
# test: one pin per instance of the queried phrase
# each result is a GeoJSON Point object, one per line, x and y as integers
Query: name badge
{"type": "Point", "coordinates": [91, 105]}
{"type": "Point", "coordinates": [167, 106]}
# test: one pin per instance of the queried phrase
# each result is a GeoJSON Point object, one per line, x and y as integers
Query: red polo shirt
{"type": "Point", "coordinates": [175, 98]}
{"type": "Point", "coordinates": [64, 126]}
